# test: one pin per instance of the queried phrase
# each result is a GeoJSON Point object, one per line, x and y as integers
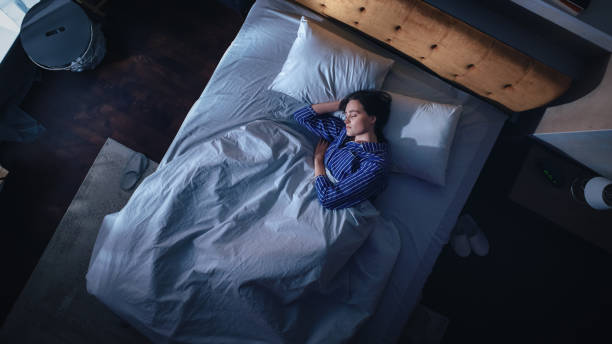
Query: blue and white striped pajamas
{"type": "Point", "coordinates": [359, 168]}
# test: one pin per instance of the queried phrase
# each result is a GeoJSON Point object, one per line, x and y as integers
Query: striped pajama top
{"type": "Point", "coordinates": [359, 168]}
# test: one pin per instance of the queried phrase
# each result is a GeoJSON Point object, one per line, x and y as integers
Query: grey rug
{"type": "Point", "coordinates": [54, 306]}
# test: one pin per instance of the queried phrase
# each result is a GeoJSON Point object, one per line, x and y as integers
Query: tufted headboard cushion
{"type": "Point", "coordinates": [452, 49]}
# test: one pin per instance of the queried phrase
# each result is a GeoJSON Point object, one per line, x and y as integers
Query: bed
{"type": "Point", "coordinates": [226, 242]}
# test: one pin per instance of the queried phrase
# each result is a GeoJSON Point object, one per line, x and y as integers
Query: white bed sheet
{"type": "Point", "coordinates": [425, 213]}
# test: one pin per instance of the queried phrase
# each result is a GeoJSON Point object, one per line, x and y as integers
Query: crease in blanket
{"type": "Point", "coordinates": [227, 242]}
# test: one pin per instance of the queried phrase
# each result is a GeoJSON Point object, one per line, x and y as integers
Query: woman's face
{"type": "Point", "coordinates": [357, 120]}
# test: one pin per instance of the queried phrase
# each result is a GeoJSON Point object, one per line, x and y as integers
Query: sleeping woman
{"type": "Point", "coordinates": [350, 160]}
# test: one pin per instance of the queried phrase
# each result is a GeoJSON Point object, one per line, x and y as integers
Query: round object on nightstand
{"type": "Point", "coordinates": [58, 35]}
{"type": "Point", "coordinates": [595, 192]}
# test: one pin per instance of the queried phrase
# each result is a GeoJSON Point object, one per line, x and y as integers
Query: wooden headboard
{"type": "Point", "coordinates": [452, 49]}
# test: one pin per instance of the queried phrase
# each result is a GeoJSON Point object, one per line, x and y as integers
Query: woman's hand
{"type": "Point", "coordinates": [319, 157]}
{"type": "Point", "coordinates": [321, 149]}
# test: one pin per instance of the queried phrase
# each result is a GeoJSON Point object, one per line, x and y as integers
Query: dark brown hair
{"type": "Point", "coordinates": [375, 103]}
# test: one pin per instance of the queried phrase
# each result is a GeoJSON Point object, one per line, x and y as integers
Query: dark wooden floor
{"type": "Point", "coordinates": [539, 283]}
{"type": "Point", "coordinates": [159, 58]}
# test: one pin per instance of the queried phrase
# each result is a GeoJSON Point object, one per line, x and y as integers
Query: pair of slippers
{"type": "Point", "coordinates": [467, 238]}
{"type": "Point", "coordinates": [133, 171]}
{"type": "Point", "coordinates": [3, 175]}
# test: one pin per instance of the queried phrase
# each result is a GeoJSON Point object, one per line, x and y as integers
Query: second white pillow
{"type": "Point", "coordinates": [420, 134]}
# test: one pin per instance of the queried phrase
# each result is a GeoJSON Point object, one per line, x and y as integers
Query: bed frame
{"type": "Point", "coordinates": [452, 49]}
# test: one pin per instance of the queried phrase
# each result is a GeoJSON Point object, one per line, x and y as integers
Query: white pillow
{"type": "Point", "coordinates": [322, 66]}
{"type": "Point", "coordinates": [420, 135]}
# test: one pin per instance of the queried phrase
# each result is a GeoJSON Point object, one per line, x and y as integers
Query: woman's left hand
{"type": "Point", "coordinates": [319, 153]}
{"type": "Point", "coordinates": [319, 157]}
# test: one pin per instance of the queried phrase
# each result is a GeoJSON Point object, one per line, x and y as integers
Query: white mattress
{"type": "Point", "coordinates": [426, 213]}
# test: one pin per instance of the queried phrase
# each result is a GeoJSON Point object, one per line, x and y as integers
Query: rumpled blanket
{"type": "Point", "coordinates": [227, 243]}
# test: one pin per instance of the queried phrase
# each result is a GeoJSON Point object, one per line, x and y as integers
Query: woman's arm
{"type": "Point", "coordinates": [328, 107]}
{"type": "Point", "coordinates": [319, 158]}
{"type": "Point", "coordinates": [321, 124]}
{"type": "Point", "coordinates": [369, 180]}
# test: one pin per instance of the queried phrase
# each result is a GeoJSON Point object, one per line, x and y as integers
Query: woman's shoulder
{"type": "Point", "coordinates": [378, 161]}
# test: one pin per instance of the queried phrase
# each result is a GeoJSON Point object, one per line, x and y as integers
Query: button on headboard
{"type": "Point", "coordinates": [452, 49]}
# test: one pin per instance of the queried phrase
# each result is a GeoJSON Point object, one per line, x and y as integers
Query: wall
{"type": "Point", "coordinates": [591, 112]}
{"type": "Point", "coordinates": [583, 128]}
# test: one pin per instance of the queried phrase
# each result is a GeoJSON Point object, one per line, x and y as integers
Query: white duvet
{"type": "Point", "coordinates": [227, 243]}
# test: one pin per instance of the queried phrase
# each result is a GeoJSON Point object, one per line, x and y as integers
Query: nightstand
{"type": "Point", "coordinates": [535, 191]}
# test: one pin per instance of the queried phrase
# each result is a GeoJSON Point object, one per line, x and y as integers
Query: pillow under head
{"type": "Point", "coordinates": [420, 135]}
{"type": "Point", "coordinates": [322, 66]}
